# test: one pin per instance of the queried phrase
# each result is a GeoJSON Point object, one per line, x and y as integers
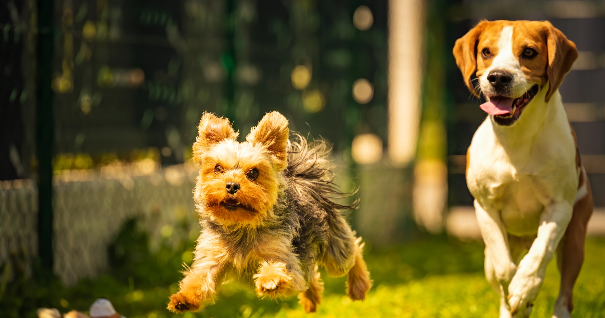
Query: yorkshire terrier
{"type": "Point", "coordinates": [268, 217]}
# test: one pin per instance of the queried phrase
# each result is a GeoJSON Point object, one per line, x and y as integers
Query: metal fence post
{"type": "Point", "coordinates": [229, 62]}
{"type": "Point", "coordinates": [45, 130]}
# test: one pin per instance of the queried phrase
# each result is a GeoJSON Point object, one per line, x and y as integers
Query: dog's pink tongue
{"type": "Point", "coordinates": [498, 106]}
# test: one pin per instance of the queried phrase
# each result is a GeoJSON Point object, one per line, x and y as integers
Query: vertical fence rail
{"type": "Point", "coordinates": [229, 61]}
{"type": "Point", "coordinates": [45, 130]}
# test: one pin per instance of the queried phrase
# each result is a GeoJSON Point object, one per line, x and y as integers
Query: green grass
{"type": "Point", "coordinates": [445, 279]}
{"type": "Point", "coordinates": [433, 277]}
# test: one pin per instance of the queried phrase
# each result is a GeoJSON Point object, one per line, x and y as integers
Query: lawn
{"type": "Point", "coordinates": [431, 277]}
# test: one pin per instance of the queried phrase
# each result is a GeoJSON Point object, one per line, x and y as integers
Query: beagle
{"type": "Point", "coordinates": [532, 196]}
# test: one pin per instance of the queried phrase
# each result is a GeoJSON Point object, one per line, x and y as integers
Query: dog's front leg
{"type": "Point", "coordinates": [279, 273]}
{"type": "Point", "coordinates": [202, 278]}
{"type": "Point", "coordinates": [526, 283]}
{"type": "Point", "coordinates": [499, 265]}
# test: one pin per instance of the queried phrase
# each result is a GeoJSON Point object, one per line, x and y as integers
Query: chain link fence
{"type": "Point", "coordinates": [90, 208]}
{"type": "Point", "coordinates": [18, 233]}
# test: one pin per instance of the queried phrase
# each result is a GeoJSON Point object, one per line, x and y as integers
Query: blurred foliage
{"type": "Point", "coordinates": [133, 266]}
{"type": "Point", "coordinates": [83, 161]}
{"type": "Point", "coordinates": [21, 296]}
{"type": "Point", "coordinates": [430, 277]}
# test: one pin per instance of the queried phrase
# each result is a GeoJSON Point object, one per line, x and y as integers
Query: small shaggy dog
{"type": "Point", "coordinates": [267, 217]}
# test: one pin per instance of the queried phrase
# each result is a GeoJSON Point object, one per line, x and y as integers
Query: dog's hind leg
{"type": "Point", "coordinates": [311, 297]}
{"type": "Point", "coordinates": [358, 280]}
{"type": "Point", "coordinates": [340, 249]}
{"type": "Point", "coordinates": [344, 255]}
{"type": "Point", "coordinates": [570, 254]}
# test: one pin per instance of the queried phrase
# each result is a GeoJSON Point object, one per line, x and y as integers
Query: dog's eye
{"type": "Point", "coordinates": [218, 169]}
{"type": "Point", "coordinates": [252, 174]}
{"type": "Point", "coordinates": [486, 53]}
{"type": "Point", "coordinates": [529, 53]}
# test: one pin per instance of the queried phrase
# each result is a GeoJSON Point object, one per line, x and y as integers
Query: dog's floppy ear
{"type": "Point", "coordinates": [465, 52]}
{"type": "Point", "coordinates": [212, 130]}
{"type": "Point", "coordinates": [272, 133]}
{"type": "Point", "coordinates": [561, 55]}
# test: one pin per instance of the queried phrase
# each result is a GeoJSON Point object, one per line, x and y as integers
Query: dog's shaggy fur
{"type": "Point", "coordinates": [268, 217]}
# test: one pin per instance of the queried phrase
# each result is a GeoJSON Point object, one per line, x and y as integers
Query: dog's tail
{"type": "Point", "coordinates": [358, 280]}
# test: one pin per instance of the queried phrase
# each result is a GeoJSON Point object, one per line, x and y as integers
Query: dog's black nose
{"type": "Point", "coordinates": [232, 187]}
{"type": "Point", "coordinates": [499, 79]}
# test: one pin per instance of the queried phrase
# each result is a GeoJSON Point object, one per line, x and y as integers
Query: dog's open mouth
{"type": "Point", "coordinates": [507, 110]}
{"type": "Point", "coordinates": [231, 204]}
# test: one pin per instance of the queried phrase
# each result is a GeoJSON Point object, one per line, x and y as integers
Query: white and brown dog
{"type": "Point", "coordinates": [531, 192]}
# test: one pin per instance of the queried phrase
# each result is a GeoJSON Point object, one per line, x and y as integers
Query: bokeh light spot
{"type": "Point", "coordinates": [137, 77]}
{"type": "Point", "coordinates": [366, 149]}
{"type": "Point", "coordinates": [301, 76]}
{"type": "Point", "coordinates": [363, 91]}
{"type": "Point", "coordinates": [363, 18]}
{"type": "Point", "coordinates": [313, 101]}
{"type": "Point", "coordinates": [166, 152]}
{"type": "Point", "coordinates": [105, 77]}
{"type": "Point", "coordinates": [166, 231]}
{"type": "Point", "coordinates": [61, 85]}
{"type": "Point", "coordinates": [89, 30]}
{"type": "Point", "coordinates": [187, 257]}
{"type": "Point", "coordinates": [86, 106]}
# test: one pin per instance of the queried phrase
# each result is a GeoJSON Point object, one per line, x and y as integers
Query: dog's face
{"type": "Point", "coordinates": [513, 62]}
{"type": "Point", "coordinates": [238, 182]}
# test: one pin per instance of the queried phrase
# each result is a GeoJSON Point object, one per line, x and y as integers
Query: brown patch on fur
{"type": "Point", "coordinates": [358, 282]}
{"type": "Point", "coordinates": [561, 55]}
{"type": "Point", "coordinates": [211, 131]}
{"type": "Point", "coordinates": [570, 253]}
{"type": "Point", "coordinates": [578, 160]}
{"type": "Point", "coordinates": [465, 54]}
{"type": "Point", "coordinates": [272, 133]}
{"type": "Point", "coordinates": [310, 298]}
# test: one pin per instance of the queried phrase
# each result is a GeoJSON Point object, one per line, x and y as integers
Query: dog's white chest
{"type": "Point", "coordinates": [520, 207]}
{"type": "Point", "coordinates": [510, 183]}
{"type": "Point", "coordinates": [515, 195]}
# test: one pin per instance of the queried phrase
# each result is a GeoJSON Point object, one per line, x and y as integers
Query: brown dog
{"type": "Point", "coordinates": [268, 218]}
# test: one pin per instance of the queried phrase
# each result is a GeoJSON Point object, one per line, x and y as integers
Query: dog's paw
{"type": "Point", "coordinates": [522, 292]}
{"type": "Point", "coordinates": [274, 279]}
{"type": "Point", "coordinates": [180, 303]}
{"type": "Point", "coordinates": [272, 285]}
{"type": "Point", "coordinates": [562, 309]}
{"type": "Point", "coordinates": [524, 312]}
